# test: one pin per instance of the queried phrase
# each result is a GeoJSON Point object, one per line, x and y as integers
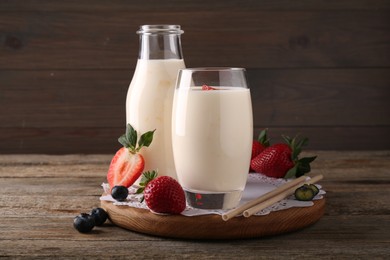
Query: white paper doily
{"type": "Point", "coordinates": [257, 185]}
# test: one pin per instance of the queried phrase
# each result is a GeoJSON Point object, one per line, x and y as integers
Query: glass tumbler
{"type": "Point", "coordinates": [212, 132]}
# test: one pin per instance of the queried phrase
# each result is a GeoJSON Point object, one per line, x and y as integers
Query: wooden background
{"type": "Point", "coordinates": [319, 68]}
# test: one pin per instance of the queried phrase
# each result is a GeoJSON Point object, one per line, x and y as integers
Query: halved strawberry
{"type": "Point", "coordinates": [127, 164]}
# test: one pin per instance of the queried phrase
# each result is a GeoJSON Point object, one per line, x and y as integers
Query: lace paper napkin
{"type": "Point", "coordinates": [257, 185]}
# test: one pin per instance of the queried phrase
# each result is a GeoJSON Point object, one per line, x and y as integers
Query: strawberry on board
{"type": "Point", "coordinates": [162, 194]}
{"type": "Point", "coordinates": [260, 144]}
{"type": "Point", "coordinates": [127, 164]}
{"type": "Point", "coordinates": [281, 160]}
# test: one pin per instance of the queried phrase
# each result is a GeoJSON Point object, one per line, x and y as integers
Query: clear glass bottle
{"type": "Point", "coordinates": [150, 95]}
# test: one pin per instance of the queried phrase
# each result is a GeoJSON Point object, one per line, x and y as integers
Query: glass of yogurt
{"type": "Point", "coordinates": [212, 132]}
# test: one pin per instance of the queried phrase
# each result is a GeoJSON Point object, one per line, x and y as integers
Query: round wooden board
{"type": "Point", "coordinates": [212, 226]}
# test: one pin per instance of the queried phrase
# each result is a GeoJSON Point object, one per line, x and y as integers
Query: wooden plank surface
{"type": "Point", "coordinates": [251, 38]}
{"type": "Point", "coordinates": [334, 108]}
{"type": "Point", "coordinates": [326, 97]}
{"type": "Point", "coordinates": [188, 5]}
{"type": "Point", "coordinates": [102, 140]}
{"type": "Point", "coordinates": [317, 68]}
{"type": "Point", "coordinates": [40, 195]}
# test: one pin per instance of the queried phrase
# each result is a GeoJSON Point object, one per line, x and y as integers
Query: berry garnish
{"type": "Point", "coordinates": [206, 87]}
{"type": "Point", "coordinates": [260, 144]}
{"type": "Point", "coordinates": [100, 216]}
{"type": "Point", "coordinates": [84, 223]}
{"type": "Point", "coordinates": [281, 160]}
{"type": "Point", "coordinates": [314, 188]}
{"type": "Point", "coordinates": [127, 164]}
{"type": "Point", "coordinates": [162, 194]}
{"type": "Point", "coordinates": [119, 193]}
{"type": "Point", "coordinates": [304, 193]}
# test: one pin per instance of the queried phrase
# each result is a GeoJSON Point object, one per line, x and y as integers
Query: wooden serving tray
{"type": "Point", "coordinates": [212, 226]}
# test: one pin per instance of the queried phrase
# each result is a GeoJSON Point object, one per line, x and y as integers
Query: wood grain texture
{"type": "Point", "coordinates": [314, 67]}
{"type": "Point", "coordinates": [103, 140]}
{"type": "Point", "coordinates": [188, 5]}
{"type": "Point", "coordinates": [326, 97]}
{"type": "Point", "coordinates": [334, 108]}
{"type": "Point", "coordinates": [251, 38]}
{"type": "Point", "coordinates": [40, 195]}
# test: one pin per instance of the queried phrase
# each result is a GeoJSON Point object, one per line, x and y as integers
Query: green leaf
{"type": "Point", "coordinates": [129, 139]}
{"type": "Point", "coordinates": [140, 190]}
{"type": "Point", "coordinates": [295, 153]}
{"type": "Point", "coordinates": [263, 138]}
{"type": "Point", "coordinates": [296, 146]}
{"type": "Point", "coordinates": [302, 169]}
{"type": "Point", "coordinates": [292, 172]}
{"type": "Point", "coordinates": [303, 142]}
{"type": "Point", "coordinates": [131, 136]}
{"type": "Point", "coordinates": [287, 139]}
{"type": "Point", "coordinates": [307, 159]}
{"type": "Point", "coordinates": [147, 177]}
{"type": "Point", "coordinates": [123, 141]}
{"type": "Point", "coordinates": [150, 175]}
{"type": "Point", "coordinates": [146, 139]}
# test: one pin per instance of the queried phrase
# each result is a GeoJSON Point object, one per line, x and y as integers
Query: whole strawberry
{"type": "Point", "coordinates": [281, 160]}
{"type": "Point", "coordinates": [127, 164]}
{"type": "Point", "coordinates": [260, 144]}
{"type": "Point", "coordinates": [162, 194]}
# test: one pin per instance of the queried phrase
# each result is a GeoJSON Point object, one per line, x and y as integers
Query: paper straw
{"type": "Point", "coordinates": [249, 212]}
{"type": "Point", "coordinates": [234, 212]}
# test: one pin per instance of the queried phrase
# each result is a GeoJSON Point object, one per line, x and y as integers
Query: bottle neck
{"type": "Point", "coordinates": [160, 42]}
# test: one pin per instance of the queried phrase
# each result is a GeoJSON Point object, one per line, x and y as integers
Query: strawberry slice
{"type": "Point", "coordinates": [206, 87]}
{"type": "Point", "coordinates": [127, 164]}
{"type": "Point", "coordinates": [125, 168]}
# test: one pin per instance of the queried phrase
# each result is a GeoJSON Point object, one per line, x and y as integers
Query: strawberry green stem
{"type": "Point", "coordinates": [129, 139]}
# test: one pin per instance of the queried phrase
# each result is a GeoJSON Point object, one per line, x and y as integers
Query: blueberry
{"type": "Point", "coordinates": [100, 216]}
{"type": "Point", "coordinates": [84, 223]}
{"type": "Point", "coordinates": [304, 193]}
{"type": "Point", "coordinates": [119, 193]}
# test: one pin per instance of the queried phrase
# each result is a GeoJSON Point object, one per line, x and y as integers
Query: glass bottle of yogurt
{"type": "Point", "coordinates": [150, 95]}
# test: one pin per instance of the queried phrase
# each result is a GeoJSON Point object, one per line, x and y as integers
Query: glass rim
{"type": "Point", "coordinates": [160, 28]}
{"type": "Point", "coordinates": [211, 69]}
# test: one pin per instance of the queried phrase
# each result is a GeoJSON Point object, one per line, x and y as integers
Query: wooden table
{"type": "Point", "coordinates": [41, 194]}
